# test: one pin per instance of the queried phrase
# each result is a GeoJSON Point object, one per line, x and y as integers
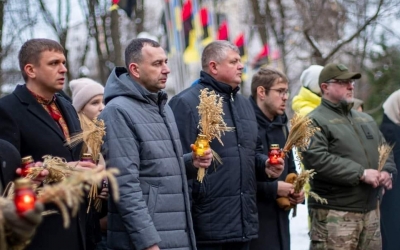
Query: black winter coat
{"type": "Point", "coordinates": [32, 131]}
{"type": "Point", "coordinates": [390, 216]}
{"type": "Point", "coordinates": [224, 205]}
{"type": "Point", "coordinates": [274, 231]}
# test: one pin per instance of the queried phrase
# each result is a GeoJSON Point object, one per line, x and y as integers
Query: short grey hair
{"type": "Point", "coordinates": [216, 51]}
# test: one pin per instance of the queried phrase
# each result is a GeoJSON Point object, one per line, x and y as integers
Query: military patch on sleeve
{"type": "Point", "coordinates": [342, 67]}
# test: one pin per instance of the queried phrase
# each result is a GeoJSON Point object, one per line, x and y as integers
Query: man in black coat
{"type": "Point", "coordinates": [224, 207]}
{"type": "Point", "coordinates": [38, 122]}
{"type": "Point", "coordinates": [269, 89]}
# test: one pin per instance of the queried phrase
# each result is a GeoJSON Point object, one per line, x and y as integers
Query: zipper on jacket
{"type": "Point", "coordinates": [366, 155]}
{"type": "Point", "coordinates": [232, 97]}
{"type": "Point", "coordinates": [358, 136]}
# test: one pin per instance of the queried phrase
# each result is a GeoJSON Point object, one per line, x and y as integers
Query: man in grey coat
{"type": "Point", "coordinates": [142, 141]}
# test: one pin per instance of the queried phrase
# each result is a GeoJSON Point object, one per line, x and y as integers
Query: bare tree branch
{"type": "Point", "coordinates": [49, 18]}
{"type": "Point", "coordinates": [317, 53]}
{"type": "Point", "coordinates": [259, 22]}
{"type": "Point", "coordinates": [336, 49]}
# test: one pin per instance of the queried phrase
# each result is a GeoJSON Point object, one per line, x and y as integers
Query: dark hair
{"type": "Point", "coordinates": [216, 51]}
{"type": "Point", "coordinates": [265, 77]}
{"type": "Point", "coordinates": [133, 52]}
{"type": "Point", "coordinates": [31, 50]}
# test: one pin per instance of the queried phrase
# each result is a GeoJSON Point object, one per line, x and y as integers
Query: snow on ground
{"type": "Point", "coordinates": [299, 229]}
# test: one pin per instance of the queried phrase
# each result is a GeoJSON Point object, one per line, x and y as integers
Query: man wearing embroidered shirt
{"type": "Point", "coordinates": [38, 122]}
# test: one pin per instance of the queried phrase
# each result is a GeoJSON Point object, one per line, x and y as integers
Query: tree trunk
{"type": "Point", "coordinates": [2, 4]}
{"type": "Point", "coordinates": [139, 16]}
{"type": "Point", "coordinates": [259, 21]}
{"type": "Point", "coordinates": [115, 34]}
{"type": "Point", "coordinates": [95, 33]}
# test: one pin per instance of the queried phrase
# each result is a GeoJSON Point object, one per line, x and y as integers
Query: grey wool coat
{"type": "Point", "coordinates": [142, 141]}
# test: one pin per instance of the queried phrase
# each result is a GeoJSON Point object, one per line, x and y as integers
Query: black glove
{"type": "Point", "coordinates": [21, 228]}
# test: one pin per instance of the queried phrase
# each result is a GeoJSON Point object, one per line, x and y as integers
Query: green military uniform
{"type": "Point", "coordinates": [345, 146]}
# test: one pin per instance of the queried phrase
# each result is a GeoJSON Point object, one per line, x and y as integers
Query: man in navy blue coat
{"type": "Point", "coordinates": [224, 207]}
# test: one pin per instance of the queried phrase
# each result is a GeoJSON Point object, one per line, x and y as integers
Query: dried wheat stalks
{"type": "Point", "coordinates": [57, 167]}
{"type": "Point", "coordinates": [94, 199]}
{"type": "Point", "coordinates": [384, 151]}
{"type": "Point", "coordinates": [3, 242]}
{"type": "Point", "coordinates": [211, 123]}
{"type": "Point", "coordinates": [70, 192]}
{"type": "Point", "coordinates": [300, 133]}
{"type": "Point", "coordinates": [92, 135]}
{"type": "Point", "coordinates": [302, 179]}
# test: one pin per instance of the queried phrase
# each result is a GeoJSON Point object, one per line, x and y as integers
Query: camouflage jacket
{"type": "Point", "coordinates": [345, 146]}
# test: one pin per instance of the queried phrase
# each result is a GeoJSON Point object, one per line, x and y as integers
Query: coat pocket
{"type": "Point", "coordinates": [151, 204]}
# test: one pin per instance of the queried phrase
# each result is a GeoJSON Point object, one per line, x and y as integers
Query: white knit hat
{"type": "Point", "coordinates": [84, 89]}
{"type": "Point", "coordinates": [309, 78]}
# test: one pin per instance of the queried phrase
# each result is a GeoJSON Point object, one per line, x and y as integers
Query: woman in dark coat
{"type": "Point", "coordinates": [390, 216]}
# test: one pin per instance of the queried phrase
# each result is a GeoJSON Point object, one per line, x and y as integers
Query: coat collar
{"type": "Point", "coordinates": [32, 105]}
{"type": "Point", "coordinates": [206, 79]}
{"type": "Point", "coordinates": [342, 107]}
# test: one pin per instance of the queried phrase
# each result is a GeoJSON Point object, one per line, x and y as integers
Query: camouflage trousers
{"type": "Point", "coordinates": [334, 230]}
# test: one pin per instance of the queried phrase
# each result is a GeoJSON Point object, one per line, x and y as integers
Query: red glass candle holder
{"type": "Point", "coordinates": [25, 197]}
{"type": "Point", "coordinates": [274, 154]}
{"type": "Point", "coordinates": [27, 162]}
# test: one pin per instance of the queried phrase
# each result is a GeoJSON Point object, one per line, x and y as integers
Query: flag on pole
{"type": "Point", "coordinates": [240, 43]}
{"type": "Point", "coordinates": [127, 5]}
{"type": "Point", "coordinates": [187, 19]}
{"type": "Point", "coordinates": [205, 21]}
{"type": "Point", "coordinates": [261, 58]}
{"type": "Point", "coordinates": [223, 31]}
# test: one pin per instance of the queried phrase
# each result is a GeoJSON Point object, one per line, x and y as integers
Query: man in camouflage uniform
{"type": "Point", "coordinates": [344, 153]}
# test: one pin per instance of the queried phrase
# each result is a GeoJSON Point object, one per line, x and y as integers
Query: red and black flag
{"type": "Point", "coordinates": [127, 5]}
{"type": "Point", "coordinates": [223, 31]}
{"type": "Point", "coordinates": [239, 42]}
{"type": "Point", "coordinates": [187, 19]}
{"type": "Point", "coordinates": [262, 57]}
{"type": "Point", "coordinates": [204, 22]}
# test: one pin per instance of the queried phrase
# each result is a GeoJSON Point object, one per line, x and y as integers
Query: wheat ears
{"type": "Point", "coordinates": [211, 123]}
{"type": "Point", "coordinates": [71, 187]}
{"type": "Point", "coordinates": [300, 133]}
{"type": "Point", "coordinates": [299, 136]}
{"type": "Point", "coordinates": [302, 179]}
{"type": "Point", "coordinates": [92, 135]}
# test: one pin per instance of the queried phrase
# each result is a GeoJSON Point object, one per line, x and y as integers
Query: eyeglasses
{"type": "Point", "coordinates": [281, 92]}
{"type": "Point", "coordinates": [343, 82]}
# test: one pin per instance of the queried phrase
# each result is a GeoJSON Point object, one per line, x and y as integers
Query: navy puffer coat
{"type": "Point", "coordinates": [224, 205]}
